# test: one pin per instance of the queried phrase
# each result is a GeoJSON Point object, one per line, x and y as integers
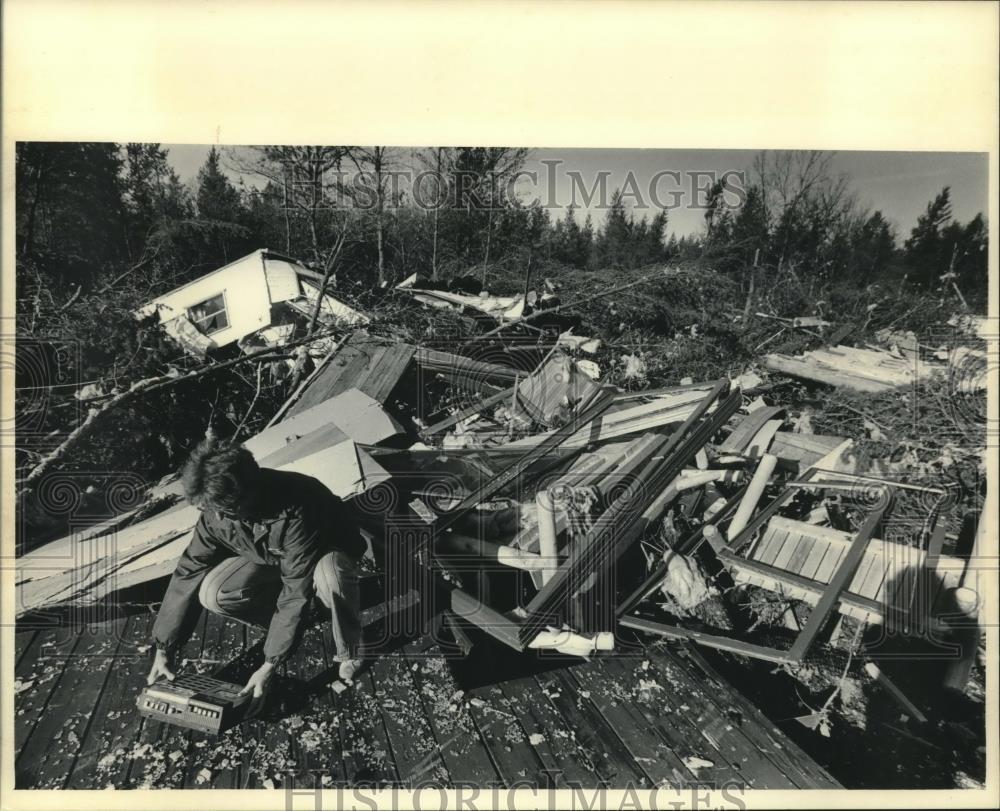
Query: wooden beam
{"type": "Point", "coordinates": [465, 413]}
{"type": "Point", "coordinates": [467, 608]}
{"type": "Point", "coordinates": [709, 640]}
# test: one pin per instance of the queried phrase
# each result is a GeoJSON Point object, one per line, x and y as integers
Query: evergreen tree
{"type": "Point", "coordinates": [925, 250]}
{"type": "Point", "coordinates": [217, 198]}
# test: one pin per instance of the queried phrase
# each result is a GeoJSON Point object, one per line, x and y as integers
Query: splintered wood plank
{"type": "Point", "coordinates": [60, 732]}
{"type": "Point", "coordinates": [106, 754]}
{"type": "Point", "coordinates": [503, 736]}
{"type": "Point", "coordinates": [411, 740]}
{"type": "Point", "coordinates": [715, 725]}
{"type": "Point", "coordinates": [448, 713]}
{"type": "Point", "coordinates": [611, 761]}
{"type": "Point", "coordinates": [625, 750]}
{"type": "Point", "coordinates": [315, 730]}
{"type": "Point", "coordinates": [394, 364]}
{"type": "Point", "coordinates": [786, 754]}
{"type": "Point", "coordinates": [674, 722]}
{"type": "Point", "coordinates": [611, 697]}
{"type": "Point", "coordinates": [151, 766]}
{"type": "Point", "coordinates": [41, 669]}
{"type": "Point", "coordinates": [564, 760]}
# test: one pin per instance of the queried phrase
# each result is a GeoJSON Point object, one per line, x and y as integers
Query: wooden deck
{"type": "Point", "coordinates": [658, 716]}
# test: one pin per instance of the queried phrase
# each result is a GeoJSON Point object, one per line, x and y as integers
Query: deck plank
{"type": "Point", "coordinates": [816, 554]}
{"type": "Point", "coordinates": [448, 713]}
{"type": "Point", "coordinates": [716, 724]}
{"type": "Point", "coordinates": [611, 696]}
{"type": "Point", "coordinates": [364, 738]}
{"type": "Point", "coordinates": [153, 766]}
{"type": "Point", "coordinates": [414, 750]}
{"type": "Point", "coordinates": [223, 642]}
{"type": "Point", "coordinates": [801, 553]}
{"type": "Point", "coordinates": [768, 546]}
{"type": "Point", "coordinates": [788, 547]}
{"type": "Point", "coordinates": [62, 729]}
{"type": "Point", "coordinates": [613, 765]}
{"type": "Point", "coordinates": [564, 761]}
{"type": "Point", "coordinates": [22, 643]}
{"type": "Point", "coordinates": [315, 728]}
{"type": "Point", "coordinates": [760, 729]}
{"type": "Point", "coordinates": [503, 736]}
{"type": "Point", "coordinates": [42, 668]}
{"type": "Point", "coordinates": [673, 724]}
{"type": "Point", "coordinates": [105, 757]}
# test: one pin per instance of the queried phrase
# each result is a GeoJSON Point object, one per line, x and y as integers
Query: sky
{"type": "Point", "coordinates": [899, 184]}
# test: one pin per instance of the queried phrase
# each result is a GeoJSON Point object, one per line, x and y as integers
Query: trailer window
{"type": "Point", "coordinates": [210, 315]}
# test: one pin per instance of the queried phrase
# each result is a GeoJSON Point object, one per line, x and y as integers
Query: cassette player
{"type": "Point", "coordinates": [195, 702]}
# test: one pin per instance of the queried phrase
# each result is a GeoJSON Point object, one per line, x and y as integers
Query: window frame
{"type": "Point", "coordinates": [225, 311]}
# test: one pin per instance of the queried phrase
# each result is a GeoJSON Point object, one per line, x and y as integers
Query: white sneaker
{"type": "Point", "coordinates": [348, 669]}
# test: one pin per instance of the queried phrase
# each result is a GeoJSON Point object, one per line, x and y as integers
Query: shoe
{"type": "Point", "coordinates": [348, 669]}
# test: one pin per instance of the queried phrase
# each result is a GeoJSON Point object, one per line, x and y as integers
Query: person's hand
{"type": "Point", "coordinates": [258, 684]}
{"type": "Point", "coordinates": [162, 668]}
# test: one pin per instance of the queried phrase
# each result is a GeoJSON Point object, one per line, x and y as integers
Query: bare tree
{"type": "Point", "coordinates": [439, 162]}
{"type": "Point", "coordinates": [306, 177]}
{"type": "Point", "coordinates": [374, 165]}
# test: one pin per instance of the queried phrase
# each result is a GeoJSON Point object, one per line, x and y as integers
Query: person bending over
{"type": "Point", "coordinates": [266, 541]}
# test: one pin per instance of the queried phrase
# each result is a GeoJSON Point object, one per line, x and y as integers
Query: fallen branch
{"type": "Point", "coordinates": [142, 387]}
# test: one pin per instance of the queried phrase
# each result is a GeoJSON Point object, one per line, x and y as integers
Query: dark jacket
{"type": "Point", "coordinates": [299, 521]}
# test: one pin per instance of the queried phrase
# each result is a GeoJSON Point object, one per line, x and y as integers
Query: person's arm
{"type": "Point", "coordinates": [174, 621]}
{"type": "Point", "coordinates": [302, 550]}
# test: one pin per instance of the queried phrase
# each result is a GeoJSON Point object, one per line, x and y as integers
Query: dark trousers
{"type": "Point", "coordinates": [246, 591]}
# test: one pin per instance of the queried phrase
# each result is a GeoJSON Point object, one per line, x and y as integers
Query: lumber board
{"type": "Point", "coordinates": [43, 666]}
{"type": "Point", "coordinates": [364, 740]}
{"type": "Point", "coordinates": [317, 751]}
{"type": "Point", "coordinates": [742, 435]}
{"type": "Point", "coordinates": [618, 526]}
{"type": "Point", "coordinates": [725, 643]}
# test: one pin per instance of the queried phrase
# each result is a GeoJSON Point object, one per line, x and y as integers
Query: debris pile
{"type": "Point", "coordinates": [556, 510]}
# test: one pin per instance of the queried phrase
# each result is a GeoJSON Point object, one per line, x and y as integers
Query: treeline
{"type": "Point", "coordinates": [796, 213]}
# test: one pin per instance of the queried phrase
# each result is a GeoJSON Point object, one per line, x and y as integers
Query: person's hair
{"type": "Point", "coordinates": [217, 473]}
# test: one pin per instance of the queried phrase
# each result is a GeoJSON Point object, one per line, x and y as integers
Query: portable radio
{"type": "Point", "coordinates": [195, 702]}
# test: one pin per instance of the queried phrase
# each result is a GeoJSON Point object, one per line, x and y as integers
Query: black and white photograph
{"type": "Point", "coordinates": [373, 469]}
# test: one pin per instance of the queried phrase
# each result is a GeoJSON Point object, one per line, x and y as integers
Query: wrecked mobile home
{"type": "Point", "coordinates": [566, 581]}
